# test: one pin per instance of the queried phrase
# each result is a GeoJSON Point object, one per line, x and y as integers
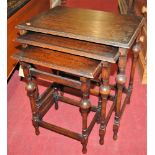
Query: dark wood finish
{"type": "Point", "coordinates": [85, 106]}
{"type": "Point", "coordinates": [40, 104]}
{"type": "Point", "coordinates": [92, 123]}
{"type": "Point", "coordinates": [60, 61]}
{"type": "Point", "coordinates": [120, 80]}
{"type": "Point", "coordinates": [99, 108]}
{"type": "Point", "coordinates": [44, 96]}
{"type": "Point", "coordinates": [67, 82]}
{"type": "Point", "coordinates": [93, 108]}
{"type": "Point", "coordinates": [138, 8]}
{"type": "Point", "coordinates": [52, 77]}
{"type": "Point", "coordinates": [32, 93]}
{"type": "Point", "coordinates": [31, 9]}
{"type": "Point", "coordinates": [126, 101]}
{"type": "Point", "coordinates": [68, 62]}
{"type": "Point", "coordinates": [75, 23]}
{"type": "Point", "coordinates": [72, 46]}
{"type": "Point", "coordinates": [104, 91]}
{"type": "Point", "coordinates": [110, 113]}
{"type": "Point", "coordinates": [92, 92]}
{"type": "Point", "coordinates": [60, 130]}
{"type": "Point", "coordinates": [75, 102]}
{"type": "Point", "coordinates": [46, 102]}
{"type": "Point", "coordinates": [136, 49]}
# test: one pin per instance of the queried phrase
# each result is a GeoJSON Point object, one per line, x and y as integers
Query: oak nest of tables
{"type": "Point", "coordinates": [78, 47]}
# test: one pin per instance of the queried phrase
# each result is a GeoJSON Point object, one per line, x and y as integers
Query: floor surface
{"type": "Point", "coordinates": [23, 141]}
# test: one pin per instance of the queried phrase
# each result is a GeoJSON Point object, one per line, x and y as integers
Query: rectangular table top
{"type": "Point", "coordinates": [73, 64]}
{"type": "Point", "coordinates": [72, 46]}
{"type": "Point", "coordinates": [89, 25]}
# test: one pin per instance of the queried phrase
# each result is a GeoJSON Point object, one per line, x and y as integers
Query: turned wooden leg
{"type": "Point", "coordinates": [33, 94]}
{"type": "Point", "coordinates": [120, 81]}
{"type": "Point", "coordinates": [55, 97]}
{"type": "Point", "coordinates": [136, 49]}
{"type": "Point", "coordinates": [84, 109]}
{"type": "Point", "coordinates": [99, 109]}
{"type": "Point", "coordinates": [31, 88]}
{"type": "Point", "coordinates": [104, 91]}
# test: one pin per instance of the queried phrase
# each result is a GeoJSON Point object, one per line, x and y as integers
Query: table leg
{"type": "Point", "coordinates": [84, 109]}
{"type": "Point", "coordinates": [56, 97]}
{"type": "Point", "coordinates": [33, 94]}
{"type": "Point", "coordinates": [120, 80]}
{"type": "Point", "coordinates": [99, 109]}
{"type": "Point", "coordinates": [104, 91]}
{"type": "Point", "coordinates": [136, 49]}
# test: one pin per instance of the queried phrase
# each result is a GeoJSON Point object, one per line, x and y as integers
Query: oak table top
{"type": "Point", "coordinates": [72, 46]}
{"type": "Point", "coordinates": [88, 25]}
{"type": "Point", "coordinates": [73, 64]}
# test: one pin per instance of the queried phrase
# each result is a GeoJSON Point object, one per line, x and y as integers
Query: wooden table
{"type": "Point", "coordinates": [86, 33]}
{"type": "Point", "coordinates": [89, 25]}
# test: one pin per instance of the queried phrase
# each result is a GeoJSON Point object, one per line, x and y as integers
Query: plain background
{"type": "Point", "coordinates": [150, 71]}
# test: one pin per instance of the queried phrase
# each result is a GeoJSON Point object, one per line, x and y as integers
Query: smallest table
{"type": "Point", "coordinates": [32, 58]}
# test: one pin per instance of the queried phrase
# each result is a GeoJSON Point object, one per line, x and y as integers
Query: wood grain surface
{"type": "Point", "coordinates": [72, 64]}
{"type": "Point", "coordinates": [89, 25]}
{"type": "Point", "coordinates": [72, 46]}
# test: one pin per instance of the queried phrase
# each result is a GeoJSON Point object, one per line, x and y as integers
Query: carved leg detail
{"type": "Point", "coordinates": [120, 80]}
{"type": "Point", "coordinates": [136, 49]}
{"type": "Point", "coordinates": [33, 94]}
{"type": "Point", "coordinates": [85, 109]}
{"type": "Point", "coordinates": [104, 92]}
{"type": "Point", "coordinates": [102, 132]}
{"type": "Point", "coordinates": [115, 128]}
{"type": "Point", "coordinates": [84, 141]}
